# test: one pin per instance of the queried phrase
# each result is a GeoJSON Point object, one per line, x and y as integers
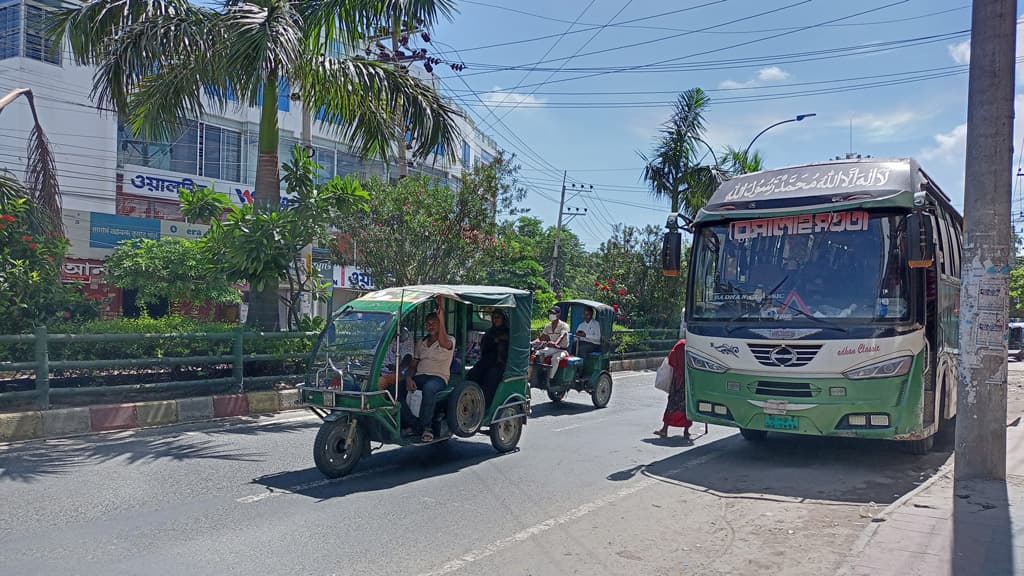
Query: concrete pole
{"type": "Point", "coordinates": [984, 302]}
{"type": "Point", "coordinates": [558, 236]}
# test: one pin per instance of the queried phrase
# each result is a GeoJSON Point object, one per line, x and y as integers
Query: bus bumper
{"type": "Point", "coordinates": [884, 408]}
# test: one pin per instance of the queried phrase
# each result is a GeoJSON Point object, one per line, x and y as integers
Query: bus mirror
{"type": "Point", "coordinates": [671, 248]}
{"type": "Point", "coordinates": [920, 248]}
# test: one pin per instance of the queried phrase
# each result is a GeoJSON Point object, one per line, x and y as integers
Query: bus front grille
{"type": "Point", "coordinates": [784, 355]}
{"type": "Point", "coordinates": [786, 389]}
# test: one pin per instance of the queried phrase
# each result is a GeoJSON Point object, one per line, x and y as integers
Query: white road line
{"type": "Point", "coordinates": [574, 514]}
{"type": "Point", "coordinates": [271, 492]}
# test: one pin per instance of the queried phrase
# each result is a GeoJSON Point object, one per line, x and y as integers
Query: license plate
{"type": "Point", "coordinates": [775, 407]}
{"type": "Point", "coordinates": [778, 422]}
{"type": "Point", "coordinates": [328, 398]}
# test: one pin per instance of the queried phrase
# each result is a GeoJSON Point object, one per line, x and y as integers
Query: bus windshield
{"type": "Point", "coordinates": [833, 265]}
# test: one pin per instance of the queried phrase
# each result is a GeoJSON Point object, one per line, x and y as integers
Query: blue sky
{"type": "Point", "coordinates": [752, 60]}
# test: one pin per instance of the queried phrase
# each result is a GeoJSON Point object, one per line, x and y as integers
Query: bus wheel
{"type": "Point", "coordinates": [753, 435]}
{"type": "Point", "coordinates": [919, 447]}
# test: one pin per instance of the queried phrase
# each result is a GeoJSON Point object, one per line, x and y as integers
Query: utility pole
{"type": "Point", "coordinates": [571, 213]}
{"type": "Point", "coordinates": [558, 235]}
{"type": "Point", "coordinates": [984, 302]}
{"type": "Point", "coordinates": [396, 46]}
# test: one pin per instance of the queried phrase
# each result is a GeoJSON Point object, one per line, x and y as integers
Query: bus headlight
{"type": "Point", "coordinates": [884, 369]}
{"type": "Point", "coordinates": [698, 362]}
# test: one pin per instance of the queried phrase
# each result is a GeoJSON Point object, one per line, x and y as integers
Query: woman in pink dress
{"type": "Point", "coordinates": [675, 412]}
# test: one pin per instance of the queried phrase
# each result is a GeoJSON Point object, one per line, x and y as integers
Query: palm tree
{"type": "Point", "coordinates": [740, 162]}
{"type": "Point", "coordinates": [675, 167]}
{"type": "Point", "coordinates": [159, 61]}
{"type": "Point", "coordinates": [40, 187]}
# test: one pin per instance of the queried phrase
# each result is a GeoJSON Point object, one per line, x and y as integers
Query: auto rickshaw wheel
{"type": "Point", "coordinates": [602, 390]}
{"type": "Point", "coordinates": [556, 397]}
{"type": "Point", "coordinates": [466, 409]}
{"type": "Point", "coordinates": [338, 446]}
{"type": "Point", "coordinates": [505, 434]}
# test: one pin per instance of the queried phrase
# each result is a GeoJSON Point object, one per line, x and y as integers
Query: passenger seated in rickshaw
{"type": "Point", "coordinates": [489, 369]}
{"type": "Point", "coordinates": [429, 372]}
{"type": "Point", "coordinates": [553, 341]}
{"type": "Point", "coordinates": [588, 335]}
{"type": "Point", "coordinates": [396, 365]}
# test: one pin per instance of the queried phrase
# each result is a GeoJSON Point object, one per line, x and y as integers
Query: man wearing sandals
{"type": "Point", "coordinates": [429, 372]}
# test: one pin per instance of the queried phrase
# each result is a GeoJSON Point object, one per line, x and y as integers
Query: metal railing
{"type": "Point", "coordinates": [41, 341]}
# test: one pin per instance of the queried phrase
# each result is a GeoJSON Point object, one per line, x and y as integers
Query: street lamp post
{"type": "Point", "coordinates": [798, 118]}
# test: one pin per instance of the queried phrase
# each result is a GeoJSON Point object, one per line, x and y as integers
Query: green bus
{"type": "Point", "coordinates": [824, 299]}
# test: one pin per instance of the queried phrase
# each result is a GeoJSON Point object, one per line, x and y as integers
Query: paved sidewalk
{"type": "Point", "coordinates": [979, 531]}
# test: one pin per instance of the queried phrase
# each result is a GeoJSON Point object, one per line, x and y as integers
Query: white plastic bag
{"type": "Point", "coordinates": [414, 399]}
{"type": "Point", "coordinates": [663, 378]}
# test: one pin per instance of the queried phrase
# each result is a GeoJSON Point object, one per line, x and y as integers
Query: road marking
{"type": "Point", "coordinates": [574, 514]}
{"type": "Point", "coordinates": [271, 492]}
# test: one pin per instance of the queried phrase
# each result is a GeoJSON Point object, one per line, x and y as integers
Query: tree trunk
{"type": "Point", "coordinates": [263, 304]}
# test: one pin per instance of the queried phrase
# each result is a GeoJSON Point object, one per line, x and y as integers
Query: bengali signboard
{"type": "Point", "coordinates": [94, 235]}
{"type": "Point", "coordinates": [151, 182]}
{"type": "Point", "coordinates": [108, 230]}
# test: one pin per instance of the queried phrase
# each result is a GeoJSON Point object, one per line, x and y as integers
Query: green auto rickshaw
{"type": "Point", "coordinates": [355, 377]}
{"type": "Point", "coordinates": [582, 368]}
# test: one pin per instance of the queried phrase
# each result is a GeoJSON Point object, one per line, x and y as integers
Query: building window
{"type": "Point", "coordinates": [198, 149]}
{"type": "Point", "coordinates": [10, 30]}
{"type": "Point", "coordinates": [37, 45]}
{"type": "Point", "coordinates": [222, 153]}
{"type": "Point", "coordinates": [465, 154]}
{"type": "Point", "coordinates": [325, 158]}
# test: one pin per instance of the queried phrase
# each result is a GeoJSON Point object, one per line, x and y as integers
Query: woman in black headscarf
{"type": "Point", "coordinates": [493, 356]}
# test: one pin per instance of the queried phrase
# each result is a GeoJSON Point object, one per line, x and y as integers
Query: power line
{"type": "Point", "coordinates": [724, 48]}
{"type": "Point", "coordinates": [625, 25]}
{"type": "Point", "coordinates": [578, 50]}
{"type": "Point", "coordinates": [490, 111]}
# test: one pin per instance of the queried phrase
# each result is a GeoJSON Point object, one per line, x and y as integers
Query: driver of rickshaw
{"type": "Point", "coordinates": [553, 341]}
{"type": "Point", "coordinates": [429, 372]}
{"type": "Point", "coordinates": [588, 334]}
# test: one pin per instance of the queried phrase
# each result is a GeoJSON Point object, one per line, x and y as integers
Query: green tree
{"type": "Point", "coordinates": [263, 246]}
{"type": "Point", "coordinates": [203, 205]}
{"type": "Point", "coordinates": [418, 231]}
{"type": "Point", "coordinates": [174, 269]}
{"type": "Point", "coordinates": [674, 169]}
{"type": "Point", "coordinates": [163, 60]}
{"type": "Point", "coordinates": [628, 275]}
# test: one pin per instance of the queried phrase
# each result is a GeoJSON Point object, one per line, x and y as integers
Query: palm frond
{"type": "Point", "coordinates": [41, 187]}
{"type": "Point", "coordinates": [89, 27]}
{"type": "Point", "coordinates": [358, 99]}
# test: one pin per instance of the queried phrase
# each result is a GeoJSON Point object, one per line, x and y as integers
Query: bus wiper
{"type": "Point", "coordinates": [822, 321]}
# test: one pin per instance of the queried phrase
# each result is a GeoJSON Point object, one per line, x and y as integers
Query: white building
{"type": "Point", "coordinates": [104, 169]}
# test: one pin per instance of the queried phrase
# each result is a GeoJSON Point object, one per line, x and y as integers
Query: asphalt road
{"type": "Point", "coordinates": [589, 492]}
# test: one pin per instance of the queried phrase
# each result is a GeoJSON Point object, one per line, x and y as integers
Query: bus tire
{"type": "Point", "coordinates": [919, 447]}
{"type": "Point", "coordinates": [334, 454]}
{"type": "Point", "coordinates": [753, 435]}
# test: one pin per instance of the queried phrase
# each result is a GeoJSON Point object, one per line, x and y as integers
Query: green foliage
{"type": "Point", "coordinates": [628, 275]}
{"type": "Point", "coordinates": [172, 268]}
{"type": "Point", "coordinates": [31, 291]}
{"type": "Point", "coordinates": [203, 205]}
{"type": "Point", "coordinates": [419, 231]}
{"type": "Point", "coordinates": [263, 246]}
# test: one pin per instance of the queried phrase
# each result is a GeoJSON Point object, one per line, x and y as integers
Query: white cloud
{"type": "Point", "coordinates": [506, 98]}
{"type": "Point", "coordinates": [949, 146]}
{"type": "Point", "coordinates": [961, 52]}
{"type": "Point", "coordinates": [763, 76]}
{"type": "Point", "coordinates": [772, 74]}
{"type": "Point", "coordinates": [875, 126]}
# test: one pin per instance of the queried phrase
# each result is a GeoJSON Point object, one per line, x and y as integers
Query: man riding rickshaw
{"type": "Point", "coordinates": [465, 374]}
{"type": "Point", "coordinates": [573, 352]}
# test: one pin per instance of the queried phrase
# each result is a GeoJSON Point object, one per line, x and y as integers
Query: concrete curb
{"type": "Point", "coordinates": [869, 532]}
{"type": "Point", "coordinates": [35, 425]}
